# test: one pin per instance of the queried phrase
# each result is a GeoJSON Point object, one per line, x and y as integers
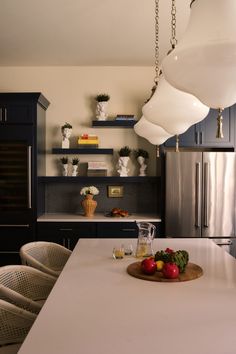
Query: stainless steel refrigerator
{"type": "Point", "coordinates": [200, 196]}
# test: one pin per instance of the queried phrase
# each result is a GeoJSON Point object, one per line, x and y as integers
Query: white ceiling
{"type": "Point", "coordinates": [85, 32]}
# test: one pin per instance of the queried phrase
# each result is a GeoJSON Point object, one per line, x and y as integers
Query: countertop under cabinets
{"type": "Point", "coordinates": [98, 217]}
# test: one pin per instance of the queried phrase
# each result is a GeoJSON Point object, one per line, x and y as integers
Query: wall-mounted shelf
{"type": "Point", "coordinates": [114, 123]}
{"type": "Point", "coordinates": [93, 151]}
{"type": "Point", "coordinates": [107, 179]}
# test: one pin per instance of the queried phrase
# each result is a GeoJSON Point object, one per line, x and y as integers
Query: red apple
{"type": "Point", "coordinates": [170, 270]}
{"type": "Point", "coordinates": [148, 266]}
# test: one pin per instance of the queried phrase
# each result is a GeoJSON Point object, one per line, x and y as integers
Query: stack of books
{"type": "Point", "coordinates": [125, 117]}
{"type": "Point", "coordinates": [88, 141]}
{"type": "Point", "coordinates": [96, 169]}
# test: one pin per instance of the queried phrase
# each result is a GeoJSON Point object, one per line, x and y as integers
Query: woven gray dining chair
{"type": "Point", "coordinates": [24, 286]}
{"type": "Point", "coordinates": [15, 325]}
{"type": "Point", "coordinates": [49, 257]}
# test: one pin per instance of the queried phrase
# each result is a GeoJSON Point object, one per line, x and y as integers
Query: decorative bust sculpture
{"type": "Point", "coordinates": [66, 131]}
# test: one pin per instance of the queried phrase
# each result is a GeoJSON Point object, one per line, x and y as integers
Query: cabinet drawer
{"type": "Point", "coordinates": [12, 238]}
{"type": "Point", "coordinates": [117, 229]}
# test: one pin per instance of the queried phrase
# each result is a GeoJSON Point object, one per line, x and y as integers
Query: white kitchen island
{"type": "Point", "coordinates": [97, 308]}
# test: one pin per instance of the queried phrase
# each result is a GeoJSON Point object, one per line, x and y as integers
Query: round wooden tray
{"type": "Point", "coordinates": [192, 271]}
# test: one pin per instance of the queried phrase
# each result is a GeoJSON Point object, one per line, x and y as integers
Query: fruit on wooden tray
{"type": "Point", "coordinates": [180, 258]}
{"type": "Point", "coordinates": [148, 266]}
{"type": "Point", "coordinates": [170, 270]}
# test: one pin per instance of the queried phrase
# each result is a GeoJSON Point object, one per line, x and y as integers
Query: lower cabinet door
{"type": "Point", "coordinates": [11, 240]}
{"type": "Point", "coordinates": [65, 233]}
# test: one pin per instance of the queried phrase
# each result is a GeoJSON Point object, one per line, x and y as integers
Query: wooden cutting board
{"type": "Point", "coordinates": [192, 271]}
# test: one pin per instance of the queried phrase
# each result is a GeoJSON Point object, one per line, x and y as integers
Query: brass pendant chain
{"type": "Point", "coordinates": [157, 62]}
{"type": "Point", "coordinates": [173, 40]}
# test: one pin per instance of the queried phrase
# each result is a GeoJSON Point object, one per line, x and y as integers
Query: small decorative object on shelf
{"type": "Point", "coordinates": [88, 141]}
{"type": "Point", "coordinates": [125, 117]}
{"type": "Point", "coordinates": [141, 155]}
{"type": "Point", "coordinates": [64, 161]}
{"type": "Point", "coordinates": [123, 161]}
{"type": "Point", "coordinates": [66, 131]}
{"type": "Point", "coordinates": [97, 169]}
{"type": "Point", "coordinates": [75, 166]}
{"type": "Point", "coordinates": [88, 203]}
{"type": "Point", "coordinates": [102, 104]}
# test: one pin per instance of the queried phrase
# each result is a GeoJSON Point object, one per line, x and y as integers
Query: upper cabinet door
{"type": "Point", "coordinates": [16, 113]}
{"type": "Point", "coordinates": [203, 134]}
{"type": "Point", "coordinates": [208, 129]}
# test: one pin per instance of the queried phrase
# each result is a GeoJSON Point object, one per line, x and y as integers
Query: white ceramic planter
{"type": "Point", "coordinates": [123, 166]}
{"type": "Point", "coordinates": [74, 170]}
{"type": "Point", "coordinates": [66, 133]}
{"type": "Point", "coordinates": [65, 170]}
{"type": "Point", "coordinates": [101, 110]}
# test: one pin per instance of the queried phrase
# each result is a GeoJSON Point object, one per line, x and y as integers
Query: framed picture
{"type": "Point", "coordinates": [115, 191]}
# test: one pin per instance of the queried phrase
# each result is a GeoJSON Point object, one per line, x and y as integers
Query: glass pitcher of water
{"type": "Point", "coordinates": [146, 234]}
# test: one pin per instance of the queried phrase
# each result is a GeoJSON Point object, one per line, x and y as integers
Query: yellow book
{"type": "Point", "coordinates": [88, 141]}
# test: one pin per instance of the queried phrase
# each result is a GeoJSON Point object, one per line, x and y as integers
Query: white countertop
{"type": "Point", "coordinates": [97, 308]}
{"type": "Point", "coordinates": [98, 217]}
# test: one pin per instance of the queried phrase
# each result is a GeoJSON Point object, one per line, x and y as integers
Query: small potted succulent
{"type": "Point", "coordinates": [75, 162]}
{"type": "Point", "coordinates": [102, 104]}
{"type": "Point", "coordinates": [141, 155]}
{"type": "Point", "coordinates": [124, 154]}
{"type": "Point", "coordinates": [66, 131]}
{"type": "Point", "coordinates": [64, 161]}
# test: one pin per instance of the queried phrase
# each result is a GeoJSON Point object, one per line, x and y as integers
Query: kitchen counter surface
{"type": "Point", "coordinates": [97, 308]}
{"type": "Point", "coordinates": [98, 217]}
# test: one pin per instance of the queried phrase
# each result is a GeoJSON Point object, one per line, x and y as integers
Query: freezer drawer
{"type": "Point", "coordinates": [228, 244]}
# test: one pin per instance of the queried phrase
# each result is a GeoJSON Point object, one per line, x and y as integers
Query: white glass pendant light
{"type": "Point", "coordinates": [152, 132]}
{"type": "Point", "coordinates": [204, 61]}
{"type": "Point", "coordinates": [173, 110]}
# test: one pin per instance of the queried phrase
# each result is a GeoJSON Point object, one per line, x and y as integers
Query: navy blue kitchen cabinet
{"type": "Point", "coordinates": [22, 151]}
{"type": "Point", "coordinates": [203, 134]}
{"type": "Point", "coordinates": [65, 233]}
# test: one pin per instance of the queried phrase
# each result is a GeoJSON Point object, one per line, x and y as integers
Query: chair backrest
{"type": "Point", "coordinates": [15, 323]}
{"type": "Point", "coordinates": [48, 257]}
{"type": "Point", "coordinates": [25, 286]}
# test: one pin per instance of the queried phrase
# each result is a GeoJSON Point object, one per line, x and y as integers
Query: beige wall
{"type": "Point", "coordinates": [71, 92]}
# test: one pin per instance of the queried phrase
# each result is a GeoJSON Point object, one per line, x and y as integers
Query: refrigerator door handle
{"type": "Point", "coordinates": [206, 188]}
{"type": "Point", "coordinates": [197, 196]}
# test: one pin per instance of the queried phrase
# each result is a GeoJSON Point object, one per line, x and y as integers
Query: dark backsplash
{"type": "Point", "coordinates": [138, 198]}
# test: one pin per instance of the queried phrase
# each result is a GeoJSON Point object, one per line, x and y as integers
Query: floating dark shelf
{"type": "Point", "coordinates": [114, 123]}
{"type": "Point", "coordinates": [107, 179]}
{"type": "Point", "coordinates": [94, 151]}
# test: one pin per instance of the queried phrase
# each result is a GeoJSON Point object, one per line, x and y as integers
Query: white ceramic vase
{"type": "Point", "coordinates": [143, 166]}
{"type": "Point", "coordinates": [101, 110]}
{"type": "Point", "coordinates": [123, 166]}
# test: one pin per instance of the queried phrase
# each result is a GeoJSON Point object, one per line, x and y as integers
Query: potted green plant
{"type": "Point", "coordinates": [141, 155]}
{"type": "Point", "coordinates": [64, 161]}
{"type": "Point", "coordinates": [75, 162]}
{"type": "Point", "coordinates": [102, 104]}
{"type": "Point", "coordinates": [124, 151]}
{"type": "Point", "coordinates": [124, 154]}
{"type": "Point", "coordinates": [66, 131]}
{"type": "Point", "coordinates": [102, 97]}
